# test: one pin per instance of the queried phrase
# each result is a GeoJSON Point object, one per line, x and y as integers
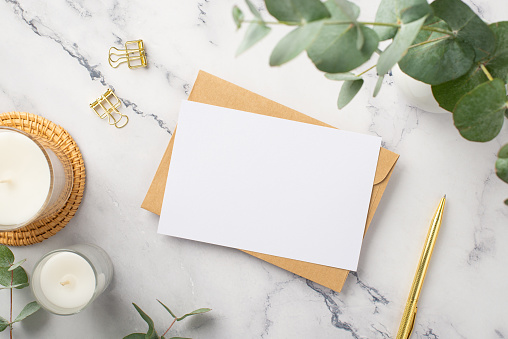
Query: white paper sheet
{"type": "Point", "coordinates": [269, 185]}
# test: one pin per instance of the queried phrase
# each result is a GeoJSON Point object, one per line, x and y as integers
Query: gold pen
{"type": "Point", "coordinates": [409, 315]}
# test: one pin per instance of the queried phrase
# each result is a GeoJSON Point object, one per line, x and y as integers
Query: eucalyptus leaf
{"type": "Point", "coordinates": [238, 16]}
{"type": "Point", "coordinates": [479, 115]}
{"type": "Point", "coordinates": [135, 336]}
{"type": "Point", "coordinates": [342, 76]}
{"type": "Point", "coordinates": [18, 276]}
{"type": "Point", "coordinates": [467, 25]}
{"type": "Point", "coordinates": [28, 310]}
{"type": "Point", "coordinates": [198, 311]}
{"type": "Point", "coordinates": [348, 91]}
{"type": "Point", "coordinates": [502, 163]}
{"type": "Point", "coordinates": [449, 93]}
{"type": "Point", "coordinates": [255, 32]}
{"type": "Point", "coordinates": [253, 10]}
{"type": "Point", "coordinates": [404, 38]}
{"type": "Point", "coordinates": [378, 84]}
{"type": "Point", "coordinates": [399, 11]}
{"type": "Point", "coordinates": [3, 324]}
{"type": "Point", "coordinates": [14, 266]}
{"type": "Point", "coordinates": [167, 309]}
{"type": "Point", "coordinates": [334, 50]}
{"type": "Point", "coordinates": [297, 11]}
{"type": "Point", "coordinates": [151, 333]}
{"type": "Point", "coordinates": [437, 57]}
{"type": "Point", "coordinates": [6, 256]}
{"type": "Point", "coordinates": [351, 11]}
{"type": "Point", "coordinates": [498, 64]}
{"type": "Point", "coordinates": [295, 42]}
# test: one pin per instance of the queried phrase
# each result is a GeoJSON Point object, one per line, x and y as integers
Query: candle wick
{"type": "Point", "coordinates": [66, 282]}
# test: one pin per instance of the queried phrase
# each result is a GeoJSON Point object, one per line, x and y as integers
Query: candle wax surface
{"type": "Point", "coordinates": [67, 280]}
{"type": "Point", "coordinates": [26, 171]}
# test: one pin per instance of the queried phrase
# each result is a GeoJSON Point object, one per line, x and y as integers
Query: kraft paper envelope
{"type": "Point", "coordinates": [212, 90]}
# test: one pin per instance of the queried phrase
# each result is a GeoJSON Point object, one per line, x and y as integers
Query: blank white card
{"type": "Point", "coordinates": [269, 185]}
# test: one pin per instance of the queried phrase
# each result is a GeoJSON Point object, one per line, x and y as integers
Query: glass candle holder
{"type": "Point", "coordinates": [36, 178]}
{"type": "Point", "coordinates": [66, 281]}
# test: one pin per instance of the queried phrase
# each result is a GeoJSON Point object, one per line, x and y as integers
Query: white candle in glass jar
{"type": "Point", "coordinates": [67, 280]}
{"type": "Point", "coordinates": [25, 178]}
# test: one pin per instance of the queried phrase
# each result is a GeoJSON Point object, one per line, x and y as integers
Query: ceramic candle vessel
{"type": "Point", "coordinates": [35, 179]}
{"type": "Point", "coordinates": [66, 281]}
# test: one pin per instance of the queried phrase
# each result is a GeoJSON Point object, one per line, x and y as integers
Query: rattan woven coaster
{"type": "Point", "coordinates": [45, 228]}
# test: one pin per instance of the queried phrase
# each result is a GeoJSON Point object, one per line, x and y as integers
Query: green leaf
{"type": "Point", "coordinates": [438, 58]}
{"type": "Point", "coordinates": [3, 324]}
{"type": "Point", "coordinates": [404, 38]}
{"type": "Point", "coordinates": [254, 10]}
{"type": "Point", "coordinates": [14, 266]}
{"type": "Point", "coordinates": [498, 64]}
{"type": "Point", "coordinates": [135, 336]}
{"type": "Point", "coordinates": [167, 309]}
{"type": "Point", "coordinates": [351, 11]}
{"type": "Point", "coordinates": [467, 25]}
{"type": "Point", "coordinates": [28, 310]}
{"type": "Point", "coordinates": [296, 11]}
{"type": "Point", "coordinates": [6, 256]}
{"type": "Point", "coordinates": [198, 311]}
{"type": "Point", "coordinates": [238, 16]}
{"type": "Point", "coordinates": [151, 333]}
{"type": "Point", "coordinates": [449, 93]}
{"type": "Point", "coordinates": [334, 50]}
{"type": "Point", "coordinates": [399, 11]}
{"type": "Point", "coordinates": [479, 115]}
{"type": "Point", "coordinates": [348, 91]}
{"type": "Point", "coordinates": [20, 278]}
{"type": "Point", "coordinates": [255, 32]}
{"type": "Point", "coordinates": [342, 76]}
{"type": "Point", "coordinates": [378, 84]}
{"type": "Point", "coordinates": [295, 42]}
{"type": "Point", "coordinates": [502, 164]}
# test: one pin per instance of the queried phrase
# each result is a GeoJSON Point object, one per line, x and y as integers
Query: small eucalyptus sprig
{"type": "Point", "coordinates": [13, 276]}
{"type": "Point", "coordinates": [152, 333]}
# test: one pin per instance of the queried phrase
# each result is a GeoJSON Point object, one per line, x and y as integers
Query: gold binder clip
{"type": "Point", "coordinates": [107, 106]}
{"type": "Point", "coordinates": [133, 54]}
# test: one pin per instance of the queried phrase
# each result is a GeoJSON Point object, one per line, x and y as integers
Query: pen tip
{"type": "Point", "coordinates": [444, 196]}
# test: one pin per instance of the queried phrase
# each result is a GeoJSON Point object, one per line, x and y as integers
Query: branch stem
{"type": "Point", "coordinates": [169, 327]}
{"type": "Point", "coordinates": [334, 22]}
{"type": "Point", "coordinates": [368, 69]}
{"type": "Point", "coordinates": [10, 318]}
{"type": "Point", "coordinates": [428, 41]}
{"type": "Point", "coordinates": [487, 73]}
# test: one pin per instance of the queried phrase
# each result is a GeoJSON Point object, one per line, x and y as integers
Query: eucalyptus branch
{"type": "Point", "coordinates": [487, 73]}
{"type": "Point", "coordinates": [174, 321]}
{"type": "Point", "coordinates": [10, 317]}
{"type": "Point", "coordinates": [347, 22]}
{"type": "Point", "coordinates": [428, 41]}
{"type": "Point", "coordinates": [368, 69]}
{"type": "Point", "coordinates": [12, 276]}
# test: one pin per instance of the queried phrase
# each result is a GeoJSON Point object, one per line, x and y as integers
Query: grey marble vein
{"type": "Point", "coordinates": [73, 50]}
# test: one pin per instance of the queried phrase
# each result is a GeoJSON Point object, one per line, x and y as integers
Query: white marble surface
{"type": "Point", "coordinates": [53, 62]}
